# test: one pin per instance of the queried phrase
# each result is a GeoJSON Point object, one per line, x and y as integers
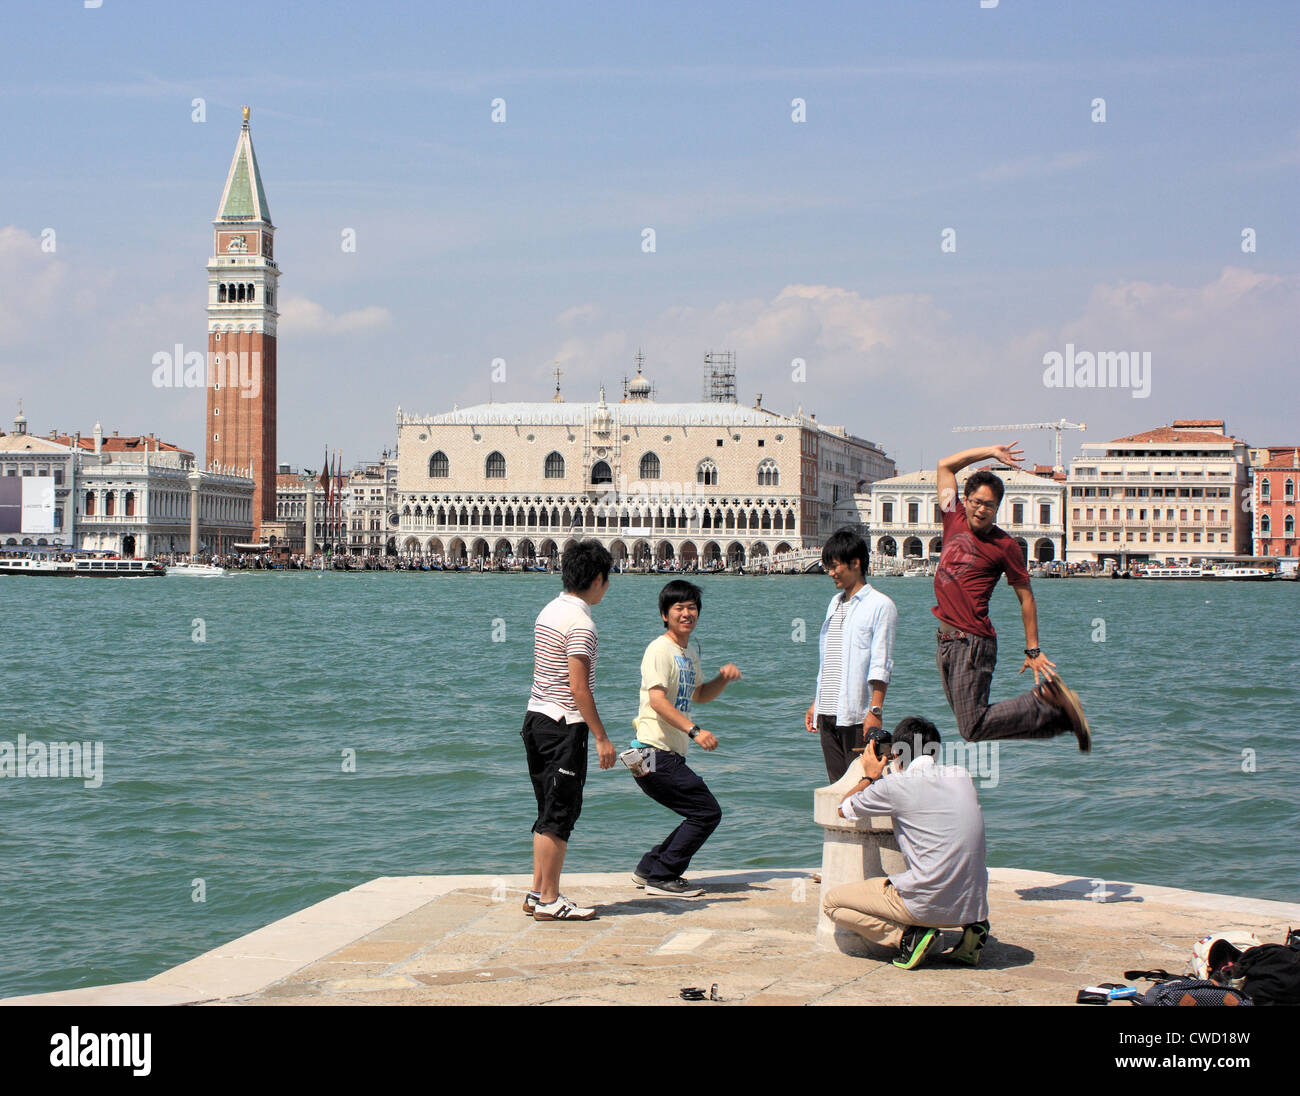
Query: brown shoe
{"type": "Point", "coordinates": [1055, 692]}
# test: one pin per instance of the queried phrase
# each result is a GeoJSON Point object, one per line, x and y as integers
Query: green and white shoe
{"type": "Point", "coordinates": [967, 952]}
{"type": "Point", "coordinates": [918, 943]}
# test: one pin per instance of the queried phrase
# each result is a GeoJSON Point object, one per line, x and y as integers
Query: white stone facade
{"type": "Point", "coordinates": [662, 481]}
{"type": "Point", "coordinates": [905, 521]}
{"type": "Point", "coordinates": [138, 505]}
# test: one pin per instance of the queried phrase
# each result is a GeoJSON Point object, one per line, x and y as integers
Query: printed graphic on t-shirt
{"type": "Point", "coordinates": [685, 682]}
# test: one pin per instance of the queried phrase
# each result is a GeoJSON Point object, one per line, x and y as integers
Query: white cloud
{"type": "Point", "coordinates": [577, 315]}
{"type": "Point", "coordinates": [899, 370]}
{"type": "Point", "coordinates": [37, 286]}
{"type": "Point", "coordinates": [301, 316]}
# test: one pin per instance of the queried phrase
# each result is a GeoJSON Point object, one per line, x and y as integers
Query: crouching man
{"type": "Point", "coordinates": [940, 833]}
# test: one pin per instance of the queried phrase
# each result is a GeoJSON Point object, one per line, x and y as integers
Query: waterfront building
{"type": "Point", "coordinates": [905, 520]}
{"type": "Point", "coordinates": [24, 454]}
{"type": "Point", "coordinates": [370, 512]}
{"type": "Point", "coordinates": [1174, 492]}
{"type": "Point", "coordinates": [133, 496]}
{"type": "Point", "coordinates": [696, 482]}
{"type": "Point", "coordinates": [1276, 478]}
{"type": "Point", "coordinates": [328, 519]}
{"type": "Point", "coordinates": [242, 294]}
{"type": "Point", "coordinates": [846, 465]}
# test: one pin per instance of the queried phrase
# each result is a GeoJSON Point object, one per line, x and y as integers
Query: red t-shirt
{"type": "Point", "coordinates": [969, 567]}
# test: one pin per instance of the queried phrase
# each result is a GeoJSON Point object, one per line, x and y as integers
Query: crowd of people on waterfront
{"type": "Point", "coordinates": [934, 808]}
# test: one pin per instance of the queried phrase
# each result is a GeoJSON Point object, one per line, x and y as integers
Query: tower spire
{"type": "Point", "coordinates": [243, 198]}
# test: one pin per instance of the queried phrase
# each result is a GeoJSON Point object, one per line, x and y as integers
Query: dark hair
{"type": "Point", "coordinates": [985, 478]}
{"type": "Point", "coordinates": [914, 737]}
{"type": "Point", "coordinates": [679, 590]}
{"type": "Point", "coordinates": [846, 546]}
{"type": "Point", "coordinates": [582, 564]}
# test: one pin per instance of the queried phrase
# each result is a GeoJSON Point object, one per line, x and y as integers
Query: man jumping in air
{"type": "Point", "coordinates": [975, 553]}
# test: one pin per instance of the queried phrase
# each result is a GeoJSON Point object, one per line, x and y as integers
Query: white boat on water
{"type": "Point", "coordinates": [196, 570]}
{"type": "Point", "coordinates": [1171, 572]}
{"type": "Point", "coordinates": [71, 565]}
{"type": "Point", "coordinates": [1224, 572]}
{"type": "Point", "coordinates": [1240, 572]}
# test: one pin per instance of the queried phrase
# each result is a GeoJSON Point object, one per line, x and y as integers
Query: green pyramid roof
{"type": "Point", "coordinates": [244, 199]}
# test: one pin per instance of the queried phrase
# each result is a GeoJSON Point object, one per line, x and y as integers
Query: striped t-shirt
{"type": "Point", "coordinates": [828, 699]}
{"type": "Point", "coordinates": [563, 628]}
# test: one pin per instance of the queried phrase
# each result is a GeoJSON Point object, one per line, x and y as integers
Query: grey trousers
{"type": "Point", "coordinates": [966, 665]}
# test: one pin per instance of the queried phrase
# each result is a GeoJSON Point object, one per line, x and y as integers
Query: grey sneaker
{"type": "Point", "coordinates": [673, 888]}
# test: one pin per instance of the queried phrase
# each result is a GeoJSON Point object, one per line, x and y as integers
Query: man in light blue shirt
{"type": "Point", "coordinates": [855, 655]}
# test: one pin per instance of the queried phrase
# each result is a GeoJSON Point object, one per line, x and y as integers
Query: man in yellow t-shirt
{"type": "Point", "coordinates": [670, 680]}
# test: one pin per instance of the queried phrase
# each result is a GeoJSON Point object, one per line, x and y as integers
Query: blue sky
{"type": "Point", "coordinates": [817, 240]}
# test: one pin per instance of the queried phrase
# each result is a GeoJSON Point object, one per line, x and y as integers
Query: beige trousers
{"type": "Point", "coordinates": [873, 909]}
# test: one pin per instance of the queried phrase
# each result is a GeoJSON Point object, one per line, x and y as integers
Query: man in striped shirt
{"type": "Point", "coordinates": [857, 655]}
{"type": "Point", "coordinates": [561, 711]}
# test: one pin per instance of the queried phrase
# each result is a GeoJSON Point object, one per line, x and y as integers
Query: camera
{"type": "Point", "coordinates": [881, 742]}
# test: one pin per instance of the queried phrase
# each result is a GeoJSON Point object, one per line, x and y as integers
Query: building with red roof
{"type": "Point", "coordinates": [1177, 492]}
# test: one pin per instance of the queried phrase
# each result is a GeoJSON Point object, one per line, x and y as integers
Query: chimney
{"type": "Point", "coordinates": [758, 402]}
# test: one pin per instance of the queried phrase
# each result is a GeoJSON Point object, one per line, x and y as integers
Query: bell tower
{"type": "Point", "coordinates": [242, 294]}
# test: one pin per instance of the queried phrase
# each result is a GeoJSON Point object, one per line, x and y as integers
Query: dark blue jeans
{"type": "Point", "coordinates": [673, 783]}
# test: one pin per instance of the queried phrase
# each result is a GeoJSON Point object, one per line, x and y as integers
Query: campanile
{"type": "Point", "coordinates": [242, 291]}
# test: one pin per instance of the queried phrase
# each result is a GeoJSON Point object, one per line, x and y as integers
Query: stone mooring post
{"type": "Point", "coordinates": [851, 853]}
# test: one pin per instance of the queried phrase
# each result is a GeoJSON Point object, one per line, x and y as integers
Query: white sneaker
{"type": "Point", "coordinates": [562, 910]}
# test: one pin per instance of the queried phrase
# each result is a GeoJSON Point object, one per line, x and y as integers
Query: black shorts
{"type": "Point", "coordinates": [557, 763]}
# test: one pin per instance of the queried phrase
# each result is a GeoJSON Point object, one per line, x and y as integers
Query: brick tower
{"type": "Point", "coordinates": [242, 290]}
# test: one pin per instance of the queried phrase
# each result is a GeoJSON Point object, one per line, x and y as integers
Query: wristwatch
{"type": "Point", "coordinates": [877, 711]}
{"type": "Point", "coordinates": [1032, 652]}
{"type": "Point", "coordinates": [695, 729]}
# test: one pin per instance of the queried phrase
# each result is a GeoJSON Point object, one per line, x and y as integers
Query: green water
{"type": "Point", "coordinates": [224, 759]}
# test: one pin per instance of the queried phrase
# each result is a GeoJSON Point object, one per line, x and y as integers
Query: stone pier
{"type": "Point", "coordinates": [462, 940]}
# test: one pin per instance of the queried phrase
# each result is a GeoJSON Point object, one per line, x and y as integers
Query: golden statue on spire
{"type": "Point", "coordinates": [246, 116]}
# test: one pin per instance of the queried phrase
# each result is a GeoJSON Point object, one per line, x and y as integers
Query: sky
{"type": "Point", "coordinates": [893, 213]}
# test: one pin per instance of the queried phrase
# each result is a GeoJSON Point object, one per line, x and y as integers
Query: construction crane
{"type": "Point", "coordinates": [1016, 427]}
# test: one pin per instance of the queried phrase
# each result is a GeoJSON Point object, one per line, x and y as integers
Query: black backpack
{"type": "Point", "coordinates": [1268, 975]}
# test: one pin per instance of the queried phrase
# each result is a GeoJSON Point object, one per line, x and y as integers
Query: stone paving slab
{"type": "Point", "coordinates": [463, 940]}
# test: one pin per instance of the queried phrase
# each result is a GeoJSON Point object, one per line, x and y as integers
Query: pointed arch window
{"type": "Point", "coordinates": [650, 466]}
{"type": "Point", "coordinates": [600, 473]}
{"type": "Point", "coordinates": [1265, 525]}
{"type": "Point", "coordinates": [221, 293]}
{"type": "Point", "coordinates": [439, 466]}
{"type": "Point", "coordinates": [767, 473]}
{"type": "Point", "coordinates": [706, 475]}
{"type": "Point", "coordinates": [554, 468]}
{"type": "Point", "coordinates": [496, 465]}
{"type": "Point", "coordinates": [1289, 525]}
{"type": "Point", "coordinates": [1288, 491]}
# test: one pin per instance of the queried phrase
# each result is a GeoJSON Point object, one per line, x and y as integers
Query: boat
{"type": "Point", "coordinates": [196, 570]}
{"type": "Point", "coordinates": [1238, 572]}
{"type": "Point", "coordinates": [79, 564]}
{"type": "Point", "coordinates": [1171, 572]}
{"type": "Point", "coordinates": [1215, 571]}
